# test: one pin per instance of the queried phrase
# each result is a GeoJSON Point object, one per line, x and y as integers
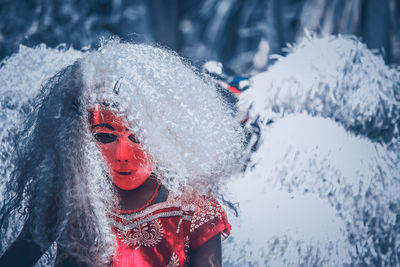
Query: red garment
{"type": "Point", "coordinates": [164, 234]}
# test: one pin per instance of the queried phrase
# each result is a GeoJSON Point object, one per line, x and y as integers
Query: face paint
{"type": "Point", "coordinates": [128, 163]}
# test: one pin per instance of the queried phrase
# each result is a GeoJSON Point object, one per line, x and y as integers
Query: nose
{"type": "Point", "coordinates": [123, 151]}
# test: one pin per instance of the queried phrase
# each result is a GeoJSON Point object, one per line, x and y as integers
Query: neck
{"type": "Point", "coordinates": [136, 198]}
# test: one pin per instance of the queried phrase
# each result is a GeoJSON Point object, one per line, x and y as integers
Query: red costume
{"type": "Point", "coordinates": [165, 233]}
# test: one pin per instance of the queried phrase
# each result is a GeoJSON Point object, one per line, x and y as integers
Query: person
{"type": "Point", "coordinates": [119, 163]}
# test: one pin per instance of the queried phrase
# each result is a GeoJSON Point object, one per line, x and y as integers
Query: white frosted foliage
{"type": "Point", "coordinates": [311, 189]}
{"type": "Point", "coordinates": [321, 186]}
{"type": "Point", "coordinates": [333, 77]}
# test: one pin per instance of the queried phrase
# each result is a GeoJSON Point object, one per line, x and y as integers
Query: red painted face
{"type": "Point", "coordinates": [129, 164]}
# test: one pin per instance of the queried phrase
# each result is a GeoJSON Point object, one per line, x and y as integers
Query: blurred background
{"type": "Point", "coordinates": [240, 34]}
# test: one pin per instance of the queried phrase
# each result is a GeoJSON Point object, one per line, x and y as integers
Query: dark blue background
{"type": "Point", "coordinates": [225, 30]}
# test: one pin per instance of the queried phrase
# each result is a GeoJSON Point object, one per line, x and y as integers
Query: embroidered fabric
{"type": "Point", "coordinates": [163, 234]}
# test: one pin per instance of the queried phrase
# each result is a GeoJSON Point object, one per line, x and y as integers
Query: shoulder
{"type": "Point", "coordinates": [206, 216]}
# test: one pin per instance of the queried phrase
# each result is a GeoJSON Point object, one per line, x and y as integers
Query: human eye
{"type": "Point", "coordinates": [133, 139]}
{"type": "Point", "coordinates": [105, 138]}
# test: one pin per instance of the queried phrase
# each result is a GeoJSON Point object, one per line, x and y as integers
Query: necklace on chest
{"type": "Point", "coordinates": [134, 232]}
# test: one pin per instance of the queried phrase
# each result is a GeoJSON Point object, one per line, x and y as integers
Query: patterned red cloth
{"type": "Point", "coordinates": [163, 234]}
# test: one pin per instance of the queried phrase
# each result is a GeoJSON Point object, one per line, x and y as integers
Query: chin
{"type": "Point", "coordinates": [127, 188]}
{"type": "Point", "coordinates": [136, 183]}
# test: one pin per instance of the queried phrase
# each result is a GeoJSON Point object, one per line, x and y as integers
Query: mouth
{"type": "Point", "coordinates": [124, 173]}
